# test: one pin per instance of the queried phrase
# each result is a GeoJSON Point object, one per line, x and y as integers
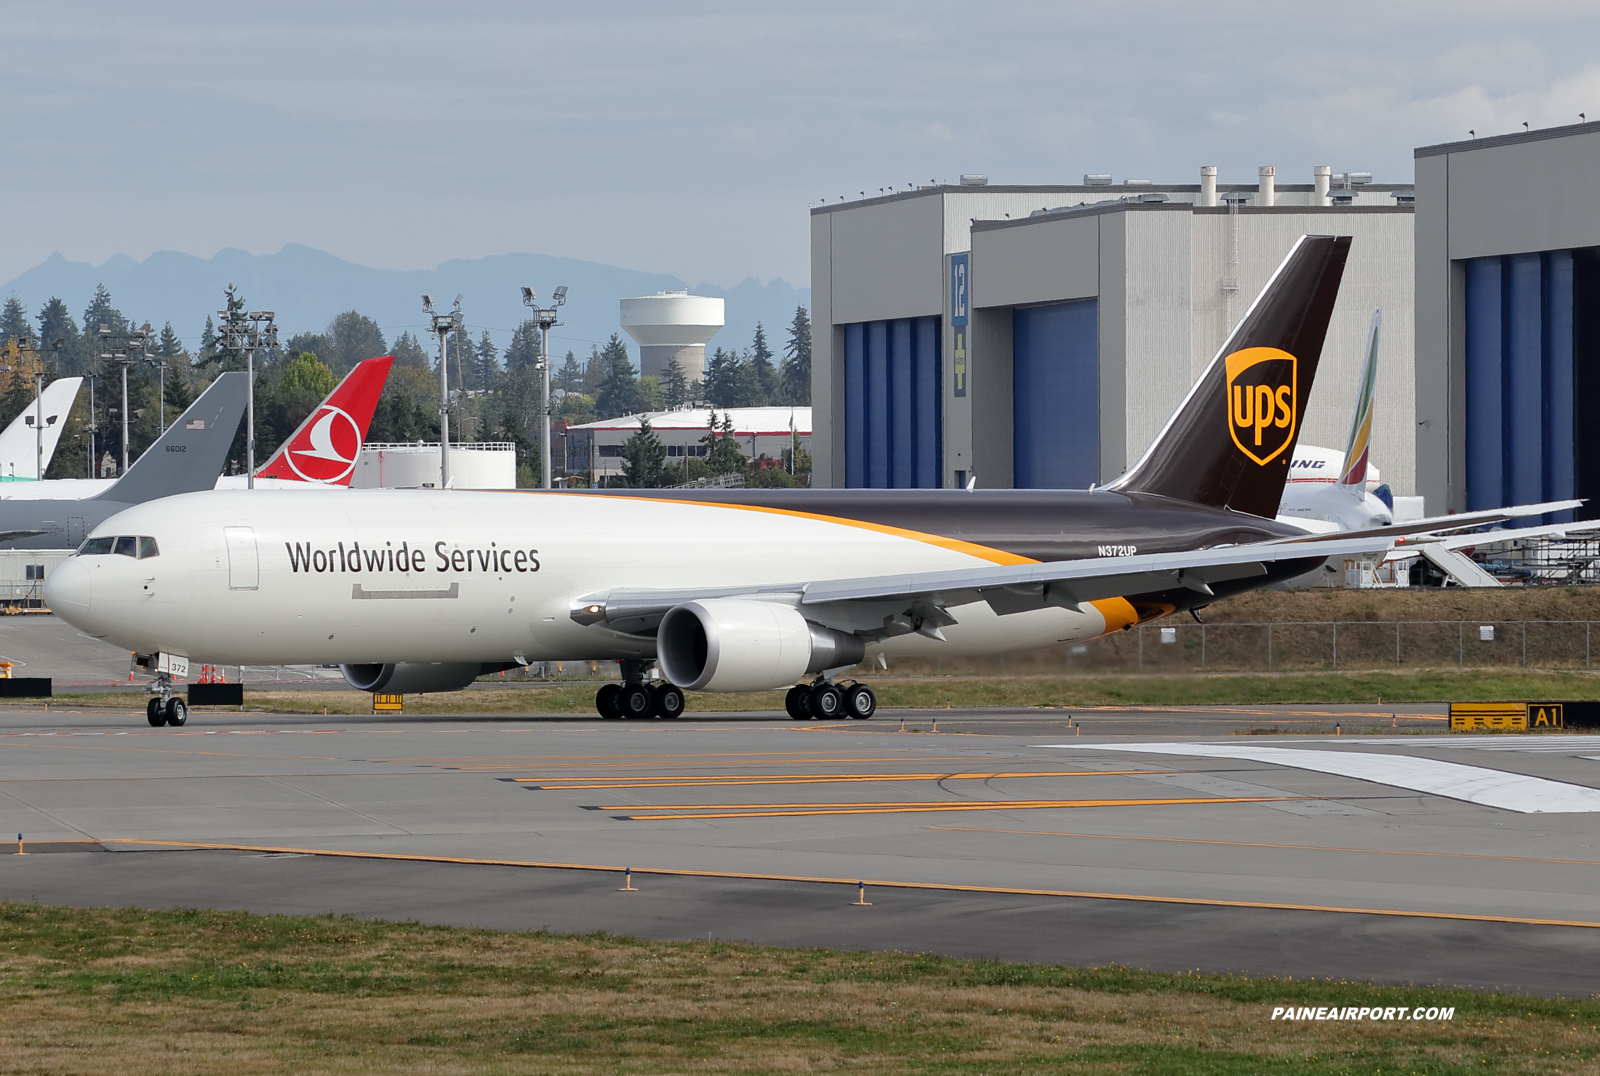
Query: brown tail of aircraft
{"type": "Point", "coordinates": [1230, 442]}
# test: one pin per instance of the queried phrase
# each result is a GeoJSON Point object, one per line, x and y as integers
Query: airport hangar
{"type": "Point", "coordinates": [1091, 309]}
{"type": "Point", "coordinates": [1508, 319]}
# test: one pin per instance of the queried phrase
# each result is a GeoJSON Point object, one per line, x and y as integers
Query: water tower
{"type": "Point", "coordinates": [672, 325]}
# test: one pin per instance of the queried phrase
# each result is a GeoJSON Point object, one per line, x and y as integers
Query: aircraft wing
{"type": "Point", "coordinates": [1407, 547]}
{"type": "Point", "coordinates": [921, 597]}
{"type": "Point", "coordinates": [1445, 524]}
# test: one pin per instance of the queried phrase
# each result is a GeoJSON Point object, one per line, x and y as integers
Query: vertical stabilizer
{"type": "Point", "coordinates": [1358, 450]}
{"type": "Point", "coordinates": [189, 456]}
{"type": "Point", "coordinates": [19, 444]}
{"type": "Point", "coordinates": [325, 448]}
{"type": "Point", "coordinates": [1230, 442]}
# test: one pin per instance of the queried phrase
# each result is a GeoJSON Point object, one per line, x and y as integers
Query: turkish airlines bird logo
{"type": "Point", "coordinates": [327, 451]}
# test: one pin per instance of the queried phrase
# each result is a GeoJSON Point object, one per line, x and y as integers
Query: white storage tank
{"type": "Point", "coordinates": [415, 465]}
{"type": "Point", "coordinates": [672, 325]}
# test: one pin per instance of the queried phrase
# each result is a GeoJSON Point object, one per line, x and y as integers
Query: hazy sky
{"type": "Point", "coordinates": [689, 138]}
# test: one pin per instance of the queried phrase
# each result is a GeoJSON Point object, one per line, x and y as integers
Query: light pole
{"type": "Point", "coordinates": [124, 356]}
{"type": "Point", "coordinates": [93, 427]}
{"type": "Point", "coordinates": [547, 320]}
{"type": "Point", "coordinates": [245, 332]}
{"type": "Point", "coordinates": [160, 363]}
{"type": "Point", "coordinates": [444, 325]}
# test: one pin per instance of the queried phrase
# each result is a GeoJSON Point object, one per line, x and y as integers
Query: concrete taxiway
{"type": "Point", "coordinates": [1169, 839]}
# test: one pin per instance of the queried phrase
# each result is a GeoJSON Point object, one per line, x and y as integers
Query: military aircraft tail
{"type": "Point", "coordinates": [190, 455]}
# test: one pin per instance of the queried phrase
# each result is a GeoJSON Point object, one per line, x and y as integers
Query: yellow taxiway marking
{"type": "Point", "coordinates": [807, 778]}
{"type": "Point", "coordinates": [945, 887]}
{"type": "Point", "coordinates": [792, 810]}
{"type": "Point", "coordinates": [1264, 844]}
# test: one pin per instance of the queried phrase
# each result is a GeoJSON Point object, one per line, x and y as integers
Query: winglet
{"type": "Point", "coordinates": [189, 456]}
{"type": "Point", "coordinates": [1353, 475]}
{"type": "Point", "coordinates": [325, 447]}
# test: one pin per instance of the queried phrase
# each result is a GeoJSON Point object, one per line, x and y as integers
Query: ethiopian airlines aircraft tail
{"type": "Point", "coordinates": [21, 448]}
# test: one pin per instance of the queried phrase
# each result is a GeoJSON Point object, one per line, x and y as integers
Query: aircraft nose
{"type": "Point", "coordinates": [66, 591]}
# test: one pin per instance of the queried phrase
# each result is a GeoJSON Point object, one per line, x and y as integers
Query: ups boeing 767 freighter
{"type": "Point", "coordinates": [424, 590]}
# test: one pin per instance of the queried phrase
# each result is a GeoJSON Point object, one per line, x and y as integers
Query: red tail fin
{"type": "Point", "coordinates": [325, 447]}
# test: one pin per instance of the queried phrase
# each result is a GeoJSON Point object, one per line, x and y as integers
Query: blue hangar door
{"type": "Point", "coordinates": [892, 394]}
{"type": "Point", "coordinates": [1055, 381]}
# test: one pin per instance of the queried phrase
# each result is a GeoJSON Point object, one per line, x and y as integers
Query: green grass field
{"type": "Point", "coordinates": [962, 692]}
{"type": "Point", "coordinates": [133, 992]}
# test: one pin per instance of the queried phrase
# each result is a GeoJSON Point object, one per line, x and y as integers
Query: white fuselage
{"type": "Point", "coordinates": [78, 489]}
{"type": "Point", "coordinates": [454, 576]}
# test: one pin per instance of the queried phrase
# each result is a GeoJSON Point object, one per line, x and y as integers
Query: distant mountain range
{"type": "Point", "coordinates": [307, 287]}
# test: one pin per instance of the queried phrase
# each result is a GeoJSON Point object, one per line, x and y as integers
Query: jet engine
{"type": "Point", "coordinates": [733, 644]}
{"type": "Point", "coordinates": [409, 678]}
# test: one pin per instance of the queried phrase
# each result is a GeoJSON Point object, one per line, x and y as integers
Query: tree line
{"type": "Point", "coordinates": [495, 396]}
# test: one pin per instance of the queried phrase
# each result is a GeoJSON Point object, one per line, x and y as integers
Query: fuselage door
{"type": "Point", "coordinates": [74, 531]}
{"type": "Point", "coordinates": [244, 566]}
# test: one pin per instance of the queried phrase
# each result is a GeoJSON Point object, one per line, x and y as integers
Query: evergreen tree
{"type": "Point", "coordinates": [312, 342]}
{"type": "Point", "coordinates": [101, 312]}
{"type": "Point", "coordinates": [350, 338]}
{"type": "Point", "coordinates": [644, 458]}
{"type": "Point", "coordinates": [488, 367]}
{"type": "Point", "coordinates": [594, 372]}
{"type": "Point", "coordinates": [766, 375]}
{"type": "Point", "coordinates": [619, 392]}
{"type": "Point", "coordinates": [407, 352]}
{"type": "Point", "coordinates": [720, 385]}
{"type": "Point", "coordinates": [795, 374]}
{"type": "Point", "coordinates": [722, 447]}
{"type": "Point", "coordinates": [523, 351]}
{"type": "Point", "coordinates": [170, 346]}
{"type": "Point", "coordinates": [675, 385]}
{"type": "Point", "coordinates": [14, 323]}
{"type": "Point", "coordinates": [570, 376]}
{"type": "Point", "coordinates": [55, 323]}
{"type": "Point", "coordinates": [208, 342]}
{"type": "Point", "coordinates": [230, 358]}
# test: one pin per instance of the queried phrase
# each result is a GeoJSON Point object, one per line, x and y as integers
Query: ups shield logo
{"type": "Point", "coordinates": [1263, 396]}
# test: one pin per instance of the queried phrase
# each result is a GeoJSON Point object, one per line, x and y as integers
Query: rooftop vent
{"type": "Point", "coordinates": [1136, 183]}
{"type": "Point", "coordinates": [1152, 196]}
{"type": "Point", "coordinates": [1343, 196]}
{"type": "Point", "coordinates": [1236, 197]}
{"type": "Point", "coordinates": [1404, 197]}
{"type": "Point", "coordinates": [974, 181]}
{"type": "Point", "coordinates": [1351, 179]}
{"type": "Point", "coordinates": [1097, 179]}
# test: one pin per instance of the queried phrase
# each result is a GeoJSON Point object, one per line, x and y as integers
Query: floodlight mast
{"type": "Point", "coordinates": [246, 332]}
{"type": "Point", "coordinates": [444, 325]}
{"type": "Point", "coordinates": [134, 341]}
{"type": "Point", "coordinates": [547, 319]}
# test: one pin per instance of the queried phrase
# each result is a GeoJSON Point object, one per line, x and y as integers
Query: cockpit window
{"type": "Point", "coordinates": [122, 545]}
{"type": "Point", "coordinates": [126, 547]}
{"type": "Point", "coordinates": [148, 548]}
{"type": "Point", "coordinates": [96, 547]}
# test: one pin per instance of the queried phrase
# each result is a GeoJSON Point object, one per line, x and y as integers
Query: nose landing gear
{"type": "Point", "coordinates": [165, 708]}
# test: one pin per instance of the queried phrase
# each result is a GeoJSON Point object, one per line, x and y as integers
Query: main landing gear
{"type": "Point", "coordinates": [826, 701]}
{"type": "Point", "coordinates": [636, 699]}
{"type": "Point", "coordinates": [165, 708]}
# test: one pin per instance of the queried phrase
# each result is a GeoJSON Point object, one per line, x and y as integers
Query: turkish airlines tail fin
{"type": "Point", "coordinates": [1230, 442]}
{"type": "Point", "coordinates": [19, 444]}
{"type": "Point", "coordinates": [1353, 476]}
{"type": "Point", "coordinates": [325, 447]}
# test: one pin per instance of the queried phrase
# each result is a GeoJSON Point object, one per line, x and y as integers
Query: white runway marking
{"type": "Point", "coordinates": [1474, 784]}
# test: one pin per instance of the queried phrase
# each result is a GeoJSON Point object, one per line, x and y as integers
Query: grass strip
{"type": "Point", "coordinates": [193, 991]}
{"type": "Point", "coordinates": [935, 692]}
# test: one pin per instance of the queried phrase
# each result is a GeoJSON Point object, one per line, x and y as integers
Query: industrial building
{"type": "Point", "coordinates": [672, 325]}
{"type": "Point", "coordinates": [1040, 336]}
{"type": "Point", "coordinates": [1508, 320]}
{"type": "Point", "coordinates": [415, 465]}
{"type": "Point", "coordinates": [769, 432]}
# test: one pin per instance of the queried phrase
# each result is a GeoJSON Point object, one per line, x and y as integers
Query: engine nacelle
{"type": "Point", "coordinates": [414, 677]}
{"type": "Point", "coordinates": [733, 644]}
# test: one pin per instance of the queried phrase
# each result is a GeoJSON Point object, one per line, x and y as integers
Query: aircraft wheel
{"type": "Point", "coordinates": [153, 712]}
{"type": "Point", "coordinates": [860, 702]}
{"type": "Point", "coordinates": [669, 701]}
{"type": "Point", "coordinates": [827, 702]}
{"type": "Point", "coordinates": [798, 703]}
{"type": "Point", "coordinates": [177, 712]}
{"type": "Point", "coordinates": [605, 701]}
{"type": "Point", "coordinates": [634, 701]}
